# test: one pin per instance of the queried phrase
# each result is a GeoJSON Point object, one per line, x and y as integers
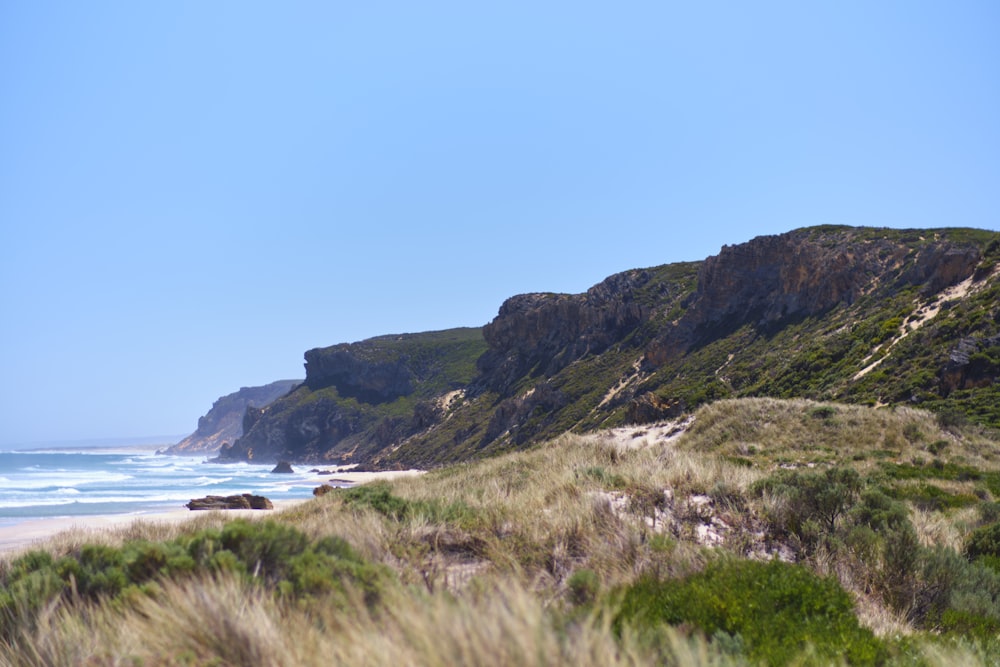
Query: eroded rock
{"type": "Point", "coordinates": [245, 501]}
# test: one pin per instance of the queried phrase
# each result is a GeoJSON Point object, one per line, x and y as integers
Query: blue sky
{"type": "Point", "coordinates": [192, 194]}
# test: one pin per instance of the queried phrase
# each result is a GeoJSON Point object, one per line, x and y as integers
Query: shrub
{"type": "Point", "coordinates": [274, 554]}
{"type": "Point", "coordinates": [937, 447]}
{"type": "Point", "coordinates": [813, 502]}
{"type": "Point", "coordinates": [264, 547]}
{"type": "Point", "coordinates": [584, 585]}
{"type": "Point", "coordinates": [912, 433]}
{"type": "Point", "coordinates": [879, 512]}
{"type": "Point", "coordinates": [824, 412]}
{"type": "Point", "coordinates": [775, 609]}
{"type": "Point", "coordinates": [379, 497]}
{"type": "Point", "coordinates": [952, 420]}
{"type": "Point", "coordinates": [984, 541]}
{"type": "Point", "coordinates": [989, 512]}
{"type": "Point", "coordinates": [952, 593]}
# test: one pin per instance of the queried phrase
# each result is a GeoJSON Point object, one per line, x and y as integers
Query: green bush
{"type": "Point", "coordinates": [984, 541]}
{"type": "Point", "coordinates": [813, 502]}
{"type": "Point", "coordinates": [772, 610]}
{"type": "Point", "coordinates": [273, 554]}
{"type": "Point", "coordinates": [379, 497]}
{"type": "Point", "coordinates": [879, 512]}
{"type": "Point", "coordinates": [933, 498]}
{"type": "Point", "coordinates": [950, 593]}
{"type": "Point", "coordinates": [584, 586]}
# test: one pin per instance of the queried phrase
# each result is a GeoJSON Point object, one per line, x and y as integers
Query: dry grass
{"type": "Point", "coordinates": [947, 530]}
{"type": "Point", "coordinates": [489, 583]}
{"type": "Point", "coordinates": [772, 432]}
{"type": "Point", "coordinates": [225, 622]}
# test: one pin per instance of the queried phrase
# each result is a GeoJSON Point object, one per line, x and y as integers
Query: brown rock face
{"type": "Point", "coordinates": [549, 331]}
{"type": "Point", "coordinates": [802, 273]}
{"type": "Point", "coordinates": [224, 423]}
{"type": "Point", "coordinates": [244, 501]}
{"type": "Point", "coordinates": [513, 413]}
{"type": "Point", "coordinates": [650, 408]}
{"type": "Point", "coordinates": [353, 375]}
{"type": "Point", "coordinates": [974, 363]}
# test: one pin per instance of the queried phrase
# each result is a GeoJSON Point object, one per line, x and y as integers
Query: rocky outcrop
{"type": "Point", "coordinates": [303, 426]}
{"type": "Point", "coordinates": [224, 423]}
{"type": "Point", "coordinates": [359, 398]}
{"type": "Point", "coordinates": [651, 408]}
{"type": "Point", "coordinates": [283, 468]}
{"type": "Point", "coordinates": [544, 333]}
{"type": "Point", "coordinates": [775, 279]}
{"type": "Point", "coordinates": [359, 373]}
{"type": "Point", "coordinates": [244, 501]}
{"type": "Point", "coordinates": [973, 363]}
{"type": "Point", "coordinates": [514, 415]}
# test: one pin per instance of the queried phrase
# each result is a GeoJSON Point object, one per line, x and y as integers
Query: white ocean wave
{"type": "Point", "coordinates": [210, 481]}
{"type": "Point", "coordinates": [10, 504]}
{"type": "Point", "coordinates": [65, 479]}
{"type": "Point", "coordinates": [134, 481]}
{"type": "Point", "coordinates": [158, 498]}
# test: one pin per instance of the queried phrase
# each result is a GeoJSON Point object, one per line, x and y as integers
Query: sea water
{"type": "Point", "coordinates": [76, 482]}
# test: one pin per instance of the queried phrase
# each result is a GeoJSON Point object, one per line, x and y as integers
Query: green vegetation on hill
{"type": "Point", "coordinates": [359, 398]}
{"type": "Point", "coordinates": [918, 331]}
{"type": "Point", "coordinates": [768, 532]}
{"type": "Point", "coordinates": [864, 316]}
{"type": "Point", "coordinates": [822, 356]}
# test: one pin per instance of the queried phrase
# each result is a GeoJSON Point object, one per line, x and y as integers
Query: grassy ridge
{"type": "Point", "coordinates": [877, 528]}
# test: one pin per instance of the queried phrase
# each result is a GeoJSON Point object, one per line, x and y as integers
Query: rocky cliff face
{"type": "Point", "coordinates": [361, 397]}
{"type": "Point", "coordinates": [544, 333]}
{"type": "Point", "coordinates": [223, 424]}
{"type": "Point", "coordinates": [775, 279]}
{"type": "Point", "coordinates": [852, 314]}
{"type": "Point", "coordinates": [973, 364]}
{"type": "Point", "coordinates": [371, 380]}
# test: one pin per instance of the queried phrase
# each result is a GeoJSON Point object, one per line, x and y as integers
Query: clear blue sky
{"type": "Point", "coordinates": [194, 193]}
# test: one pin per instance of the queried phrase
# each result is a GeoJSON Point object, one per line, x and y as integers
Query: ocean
{"type": "Point", "coordinates": [82, 481]}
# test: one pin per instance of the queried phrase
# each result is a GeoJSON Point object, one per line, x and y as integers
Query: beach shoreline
{"type": "Point", "coordinates": [32, 533]}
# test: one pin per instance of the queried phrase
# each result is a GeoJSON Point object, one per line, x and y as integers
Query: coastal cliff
{"type": "Point", "coordinates": [223, 423]}
{"type": "Point", "coordinates": [865, 315]}
{"type": "Point", "coordinates": [360, 398]}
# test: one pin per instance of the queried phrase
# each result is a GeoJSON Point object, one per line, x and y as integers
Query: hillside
{"type": "Point", "coordinates": [360, 398]}
{"type": "Point", "coordinates": [859, 315]}
{"type": "Point", "coordinates": [223, 423]}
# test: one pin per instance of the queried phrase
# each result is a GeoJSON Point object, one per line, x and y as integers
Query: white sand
{"type": "Point", "coordinates": [29, 533]}
{"type": "Point", "coordinates": [362, 477]}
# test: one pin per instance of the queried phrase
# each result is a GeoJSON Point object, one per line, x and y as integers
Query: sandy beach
{"type": "Point", "coordinates": [29, 533]}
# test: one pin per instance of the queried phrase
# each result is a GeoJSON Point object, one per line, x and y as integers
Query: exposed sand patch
{"type": "Point", "coordinates": [923, 314]}
{"type": "Point", "coordinates": [346, 475]}
{"type": "Point", "coordinates": [658, 433]}
{"type": "Point", "coordinates": [444, 402]}
{"type": "Point", "coordinates": [635, 375]}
